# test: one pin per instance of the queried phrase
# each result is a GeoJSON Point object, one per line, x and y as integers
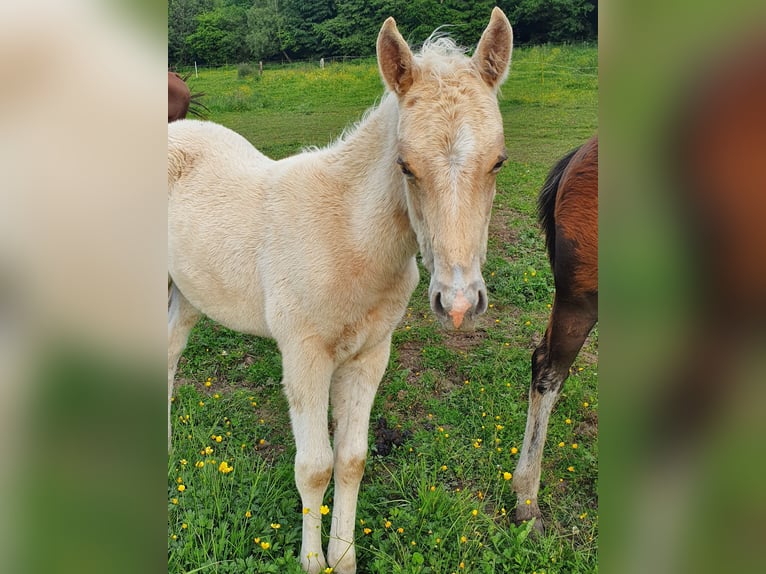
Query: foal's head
{"type": "Point", "coordinates": [451, 146]}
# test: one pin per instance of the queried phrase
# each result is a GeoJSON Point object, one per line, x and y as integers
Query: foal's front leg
{"type": "Point", "coordinates": [306, 378]}
{"type": "Point", "coordinates": [353, 392]}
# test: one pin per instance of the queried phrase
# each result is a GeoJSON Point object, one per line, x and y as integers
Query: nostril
{"type": "Point", "coordinates": [481, 302]}
{"type": "Point", "coordinates": [437, 306]}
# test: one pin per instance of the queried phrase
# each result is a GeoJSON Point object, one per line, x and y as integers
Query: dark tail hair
{"type": "Point", "coordinates": [546, 203]}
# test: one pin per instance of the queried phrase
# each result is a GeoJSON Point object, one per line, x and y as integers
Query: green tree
{"type": "Point", "coordinates": [220, 36]}
{"type": "Point", "coordinates": [218, 31]}
{"type": "Point", "coordinates": [537, 21]}
{"type": "Point", "coordinates": [182, 22]}
{"type": "Point", "coordinates": [270, 29]}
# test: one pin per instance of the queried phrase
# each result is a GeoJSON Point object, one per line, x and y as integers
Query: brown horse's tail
{"type": "Point", "coordinates": [546, 203]}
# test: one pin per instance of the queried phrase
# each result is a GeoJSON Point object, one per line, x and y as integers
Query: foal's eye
{"type": "Point", "coordinates": [499, 164]}
{"type": "Point", "coordinates": [404, 167]}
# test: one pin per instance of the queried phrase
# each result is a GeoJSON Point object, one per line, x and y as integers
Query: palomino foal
{"type": "Point", "coordinates": [318, 250]}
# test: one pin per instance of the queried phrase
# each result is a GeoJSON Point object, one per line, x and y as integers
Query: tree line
{"type": "Point", "coordinates": [217, 32]}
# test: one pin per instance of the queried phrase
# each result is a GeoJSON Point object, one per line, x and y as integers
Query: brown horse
{"type": "Point", "coordinates": [181, 100]}
{"type": "Point", "coordinates": [718, 163]}
{"type": "Point", "coordinates": [179, 97]}
{"type": "Point", "coordinates": [568, 213]}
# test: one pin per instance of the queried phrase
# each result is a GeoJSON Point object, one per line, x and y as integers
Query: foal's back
{"type": "Point", "coordinates": [216, 181]}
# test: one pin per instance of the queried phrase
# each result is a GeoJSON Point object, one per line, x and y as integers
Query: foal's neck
{"type": "Point", "coordinates": [367, 157]}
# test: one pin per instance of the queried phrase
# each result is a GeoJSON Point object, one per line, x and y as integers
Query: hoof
{"type": "Point", "coordinates": [530, 513]}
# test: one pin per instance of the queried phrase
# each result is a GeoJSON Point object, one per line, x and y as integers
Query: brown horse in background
{"type": "Point", "coordinates": [181, 100]}
{"type": "Point", "coordinates": [568, 213]}
{"type": "Point", "coordinates": [717, 161]}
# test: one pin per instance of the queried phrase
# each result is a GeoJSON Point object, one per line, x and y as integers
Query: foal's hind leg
{"type": "Point", "coordinates": [568, 327]}
{"type": "Point", "coordinates": [181, 320]}
{"type": "Point", "coordinates": [353, 392]}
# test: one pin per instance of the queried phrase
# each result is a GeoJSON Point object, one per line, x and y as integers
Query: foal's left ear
{"type": "Point", "coordinates": [493, 53]}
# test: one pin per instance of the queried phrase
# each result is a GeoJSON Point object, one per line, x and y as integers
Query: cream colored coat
{"type": "Point", "coordinates": [318, 250]}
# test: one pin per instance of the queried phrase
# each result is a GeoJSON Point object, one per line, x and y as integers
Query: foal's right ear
{"type": "Point", "coordinates": [493, 53]}
{"type": "Point", "coordinates": [397, 66]}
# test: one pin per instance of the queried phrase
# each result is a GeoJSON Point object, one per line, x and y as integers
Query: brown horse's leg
{"type": "Point", "coordinates": [568, 327]}
{"type": "Point", "coordinates": [181, 320]}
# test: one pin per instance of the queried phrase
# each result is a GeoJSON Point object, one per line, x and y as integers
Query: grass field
{"type": "Point", "coordinates": [440, 501]}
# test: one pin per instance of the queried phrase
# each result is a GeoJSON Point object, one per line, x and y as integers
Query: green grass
{"type": "Point", "coordinates": [461, 397]}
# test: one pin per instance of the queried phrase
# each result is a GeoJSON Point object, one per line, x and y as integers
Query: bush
{"type": "Point", "coordinates": [244, 70]}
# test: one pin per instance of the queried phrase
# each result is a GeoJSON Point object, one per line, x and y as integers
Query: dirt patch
{"type": "Point", "coordinates": [411, 356]}
{"type": "Point", "coordinates": [589, 427]}
{"type": "Point", "coordinates": [499, 226]}
{"type": "Point", "coordinates": [464, 341]}
{"type": "Point", "coordinates": [269, 452]}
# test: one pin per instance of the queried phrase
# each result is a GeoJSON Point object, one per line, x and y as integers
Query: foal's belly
{"type": "Point", "coordinates": [240, 309]}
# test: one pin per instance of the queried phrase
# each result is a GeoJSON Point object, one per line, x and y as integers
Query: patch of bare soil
{"type": "Point", "coordinates": [499, 227]}
{"type": "Point", "coordinates": [269, 452]}
{"type": "Point", "coordinates": [410, 356]}
{"type": "Point", "coordinates": [464, 341]}
{"type": "Point", "coordinates": [589, 427]}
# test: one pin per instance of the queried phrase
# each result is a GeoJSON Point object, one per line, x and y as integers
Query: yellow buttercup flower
{"type": "Point", "coordinates": [324, 509]}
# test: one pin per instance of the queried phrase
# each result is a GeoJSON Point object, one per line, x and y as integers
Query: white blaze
{"type": "Point", "coordinates": [461, 148]}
